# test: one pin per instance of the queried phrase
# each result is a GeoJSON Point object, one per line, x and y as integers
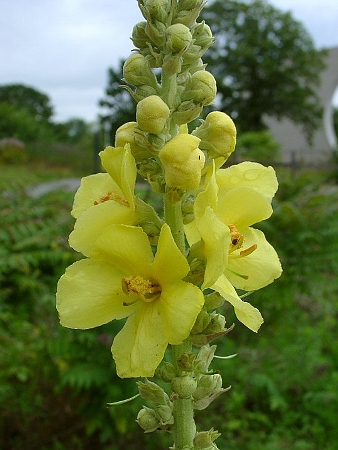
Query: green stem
{"type": "Point", "coordinates": [183, 411]}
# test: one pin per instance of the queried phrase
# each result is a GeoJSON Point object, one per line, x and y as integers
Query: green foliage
{"type": "Point", "coordinates": [257, 146]}
{"type": "Point", "coordinates": [264, 62]}
{"type": "Point", "coordinates": [18, 123]}
{"type": "Point", "coordinates": [12, 151]}
{"type": "Point", "coordinates": [36, 103]}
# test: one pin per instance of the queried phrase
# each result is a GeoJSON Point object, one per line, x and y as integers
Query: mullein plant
{"type": "Point", "coordinates": [168, 277]}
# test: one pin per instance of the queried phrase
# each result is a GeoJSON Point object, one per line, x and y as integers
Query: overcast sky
{"type": "Point", "coordinates": [64, 47]}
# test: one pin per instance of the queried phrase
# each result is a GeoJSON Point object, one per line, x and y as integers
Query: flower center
{"type": "Point", "coordinates": [237, 240]}
{"type": "Point", "coordinates": [138, 287]}
{"type": "Point", "coordinates": [111, 195]}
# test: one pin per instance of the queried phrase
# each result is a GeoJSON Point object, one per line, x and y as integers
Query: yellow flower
{"type": "Point", "coordinates": [104, 198]}
{"type": "Point", "coordinates": [248, 262]}
{"type": "Point", "coordinates": [124, 279]}
{"type": "Point", "coordinates": [183, 162]}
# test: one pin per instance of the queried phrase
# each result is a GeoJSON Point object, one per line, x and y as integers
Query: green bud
{"type": "Point", "coordinates": [216, 324]}
{"type": "Point", "coordinates": [147, 420]}
{"type": "Point", "coordinates": [207, 385]}
{"type": "Point", "coordinates": [204, 440]}
{"type": "Point", "coordinates": [202, 35]}
{"type": "Point", "coordinates": [186, 362]}
{"type": "Point", "coordinates": [139, 35]}
{"type": "Point", "coordinates": [204, 358]}
{"type": "Point", "coordinates": [218, 134]}
{"type": "Point", "coordinates": [127, 134]}
{"type": "Point", "coordinates": [213, 301]}
{"type": "Point", "coordinates": [164, 414]}
{"type": "Point", "coordinates": [152, 392]}
{"type": "Point", "coordinates": [201, 322]}
{"type": "Point", "coordinates": [184, 386]}
{"type": "Point", "coordinates": [186, 112]}
{"type": "Point", "coordinates": [156, 33]}
{"type": "Point", "coordinates": [188, 11]}
{"type": "Point", "coordinates": [144, 91]}
{"type": "Point", "coordinates": [172, 64]}
{"type": "Point", "coordinates": [201, 88]}
{"type": "Point", "coordinates": [156, 10]}
{"type": "Point", "coordinates": [178, 38]}
{"type": "Point", "coordinates": [166, 372]}
{"type": "Point", "coordinates": [152, 114]}
{"type": "Point", "coordinates": [136, 71]}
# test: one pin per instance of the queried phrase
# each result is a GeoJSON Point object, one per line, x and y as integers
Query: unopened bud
{"type": "Point", "coordinates": [183, 162]}
{"type": "Point", "coordinates": [164, 414]}
{"type": "Point", "coordinates": [218, 135]}
{"type": "Point", "coordinates": [202, 35]}
{"type": "Point", "coordinates": [184, 386]}
{"type": "Point", "coordinates": [178, 38]}
{"type": "Point", "coordinates": [127, 134]}
{"type": "Point", "coordinates": [204, 440]}
{"type": "Point", "coordinates": [166, 372]}
{"type": "Point", "coordinates": [139, 35]}
{"type": "Point", "coordinates": [136, 71]}
{"type": "Point", "coordinates": [204, 358]}
{"type": "Point", "coordinates": [152, 114]}
{"type": "Point", "coordinates": [156, 10]}
{"type": "Point", "coordinates": [216, 324]}
{"type": "Point", "coordinates": [188, 11]}
{"type": "Point", "coordinates": [202, 321]}
{"type": "Point", "coordinates": [207, 385]}
{"type": "Point", "coordinates": [201, 88]}
{"type": "Point", "coordinates": [152, 392]}
{"type": "Point", "coordinates": [147, 420]}
{"type": "Point", "coordinates": [186, 112]}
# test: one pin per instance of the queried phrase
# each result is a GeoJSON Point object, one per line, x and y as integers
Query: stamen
{"type": "Point", "coordinates": [145, 289]}
{"type": "Point", "coordinates": [111, 195]}
{"type": "Point", "coordinates": [236, 238]}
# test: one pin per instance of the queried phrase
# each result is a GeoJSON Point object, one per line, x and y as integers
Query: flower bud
{"type": "Point", "coordinates": [204, 358]}
{"type": "Point", "coordinates": [136, 71]}
{"type": "Point", "coordinates": [188, 11]}
{"type": "Point", "coordinates": [213, 301]}
{"type": "Point", "coordinates": [186, 112]}
{"type": "Point", "coordinates": [152, 392]}
{"type": "Point", "coordinates": [164, 414]}
{"type": "Point", "coordinates": [216, 324]}
{"type": "Point", "coordinates": [147, 420]}
{"type": "Point", "coordinates": [184, 386]}
{"type": "Point", "coordinates": [183, 162]}
{"type": "Point", "coordinates": [178, 38]}
{"type": "Point", "coordinates": [152, 114]}
{"type": "Point", "coordinates": [156, 10]}
{"type": "Point", "coordinates": [218, 135]}
{"type": "Point", "coordinates": [127, 134]}
{"type": "Point", "coordinates": [202, 35]}
{"type": "Point", "coordinates": [204, 440]}
{"type": "Point", "coordinates": [202, 321]}
{"type": "Point", "coordinates": [201, 88]}
{"type": "Point", "coordinates": [139, 36]}
{"type": "Point", "coordinates": [166, 372]}
{"type": "Point", "coordinates": [207, 385]}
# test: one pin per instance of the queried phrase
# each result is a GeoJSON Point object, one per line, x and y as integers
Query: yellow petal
{"type": "Point", "coordinates": [245, 312]}
{"type": "Point", "coordinates": [243, 207]}
{"type": "Point", "coordinates": [92, 189]}
{"type": "Point", "coordinates": [91, 223]}
{"type": "Point", "coordinates": [261, 267]}
{"type": "Point", "coordinates": [120, 164]}
{"type": "Point", "coordinates": [180, 304]}
{"type": "Point", "coordinates": [126, 247]}
{"type": "Point", "coordinates": [248, 174]}
{"type": "Point", "coordinates": [89, 294]}
{"type": "Point", "coordinates": [169, 263]}
{"type": "Point", "coordinates": [140, 346]}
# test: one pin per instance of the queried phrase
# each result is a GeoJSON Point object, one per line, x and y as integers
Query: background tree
{"type": "Point", "coordinates": [264, 62]}
{"type": "Point", "coordinates": [118, 104]}
{"type": "Point", "coordinates": [35, 102]}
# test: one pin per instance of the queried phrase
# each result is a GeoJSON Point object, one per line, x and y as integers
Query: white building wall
{"type": "Point", "coordinates": [291, 138]}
